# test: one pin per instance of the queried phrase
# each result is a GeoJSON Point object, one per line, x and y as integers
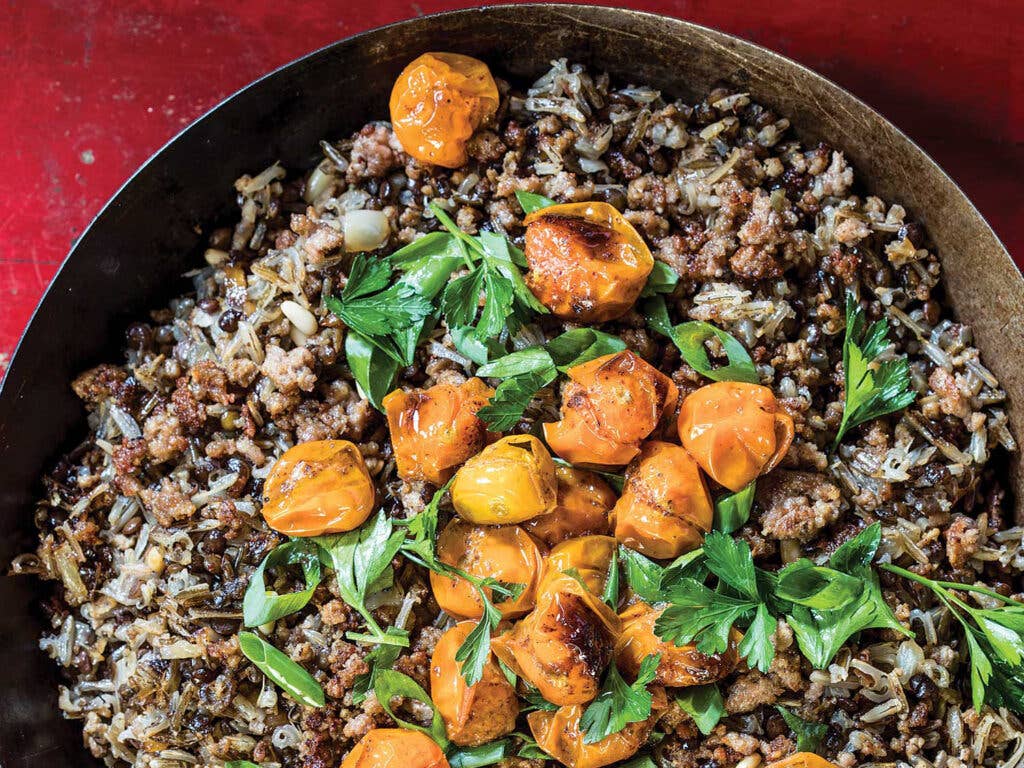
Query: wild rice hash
{"type": "Point", "coordinates": [151, 529]}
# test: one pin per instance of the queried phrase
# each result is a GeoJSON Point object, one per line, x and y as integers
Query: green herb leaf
{"type": "Point", "coordinates": [289, 676]}
{"type": "Point", "coordinates": [619, 703]}
{"type": "Point", "coordinates": [359, 559]}
{"type": "Point", "coordinates": [704, 704]}
{"type": "Point", "coordinates": [643, 575]}
{"type": "Point", "coordinates": [373, 369]}
{"type": "Point", "coordinates": [380, 657]}
{"type": "Point", "coordinates": [610, 595]}
{"type": "Point", "coordinates": [581, 345]}
{"type": "Point", "coordinates": [530, 201]}
{"type": "Point", "coordinates": [261, 605]}
{"type": "Point", "coordinates": [732, 510]}
{"type": "Point", "coordinates": [485, 754]}
{"type": "Point", "coordinates": [808, 735]}
{"type": "Point", "coordinates": [873, 388]}
{"type": "Point", "coordinates": [511, 398]}
{"type": "Point", "coordinates": [389, 684]}
{"type": "Point", "coordinates": [696, 613]}
{"type": "Point", "coordinates": [804, 583]}
{"type": "Point", "coordinates": [475, 650]}
{"type": "Point", "coordinates": [758, 643]}
{"type": "Point", "coordinates": [240, 764]}
{"type": "Point", "coordinates": [428, 262]}
{"type": "Point", "coordinates": [529, 360]}
{"type": "Point", "coordinates": [663, 279]}
{"type": "Point", "coordinates": [858, 551]}
{"type": "Point", "coordinates": [730, 560]}
{"type": "Point", "coordinates": [461, 299]}
{"type": "Point", "coordinates": [529, 748]}
{"type": "Point", "coordinates": [535, 700]}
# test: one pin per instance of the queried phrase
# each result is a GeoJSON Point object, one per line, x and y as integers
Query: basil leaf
{"type": "Point", "coordinates": [581, 345]}
{"type": "Point", "coordinates": [733, 509]}
{"type": "Point", "coordinates": [260, 604]}
{"type": "Point", "coordinates": [531, 201]}
{"type": "Point", "coordinates": [289, 676]}
{"type": "Point", "coordinates": [663, 279]}
{"type": "Point", "coordinates": [389, 684]}
{"type": "Point", "coordinates": [704, 704]}
{"type": "Point", "coordinates": [373, 369]}
{"type": "Point", "coordinates": [485, 754]}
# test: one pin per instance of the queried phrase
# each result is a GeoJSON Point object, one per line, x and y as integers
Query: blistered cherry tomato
{"type": "Point", "coordinates": [509, 481]}
{"type": "Point", "coordinates": [735, 431]}
{"type": "Point", "coordinates": [558, 734]}
{"type": "Point", "coordinates": [395, 748]}
{"type": "Point", "coordinates": [609, 405]}
{"type": "Point", "coordinates": [435, 430]}
{"type": "Point", "coordinates": [564, 644]}
{"type": "Point", "coordinates": [680, 666]}
{"type": "Point", "coordinates": [588, 556]}
{"type": "Point", "coordinates": [586, 262]}
{"type": "Point", "coordinates": [802, 760]}
{"type": "Point", "coordinates": [506, 553]}
{"type": "Point", "coordinates": [474, 714]}
{"type": "Point", "coordinates": [437, 103]}
{"type": "Point", "coordinates": [665, 508]}
{"type": "Point", "coordinates": [582, 506]}
{"type": "Point", "coordinates": [318, 487]}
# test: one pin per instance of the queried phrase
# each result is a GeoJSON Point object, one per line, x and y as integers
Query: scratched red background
{"type": "Point", "coordinates": [91, 89]}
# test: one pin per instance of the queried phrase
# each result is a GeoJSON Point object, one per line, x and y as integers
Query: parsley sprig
{"type": "Point", "coordinates": [994, 638]}
{"type": "Point", "coordinates": [874, 387]}
{"type": "Point", "coordinates": [419, 547]}
{"type": "Point", "coordinates": [619, 703]}
{"type": "Point", "coordinates": [824, 605]}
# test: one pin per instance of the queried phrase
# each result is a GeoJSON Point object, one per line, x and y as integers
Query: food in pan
{"type": "Point", "coordinates": [572, 424]}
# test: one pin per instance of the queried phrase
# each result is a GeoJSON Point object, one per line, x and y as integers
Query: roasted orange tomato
{"type": "Point", "coordinates": [509, 481]}
{"type": "Point", "coordinates": [802, 760]}
{"type": "Point", "coordinates": [680, 666]}
{"type": "Point", "coordinates": [590, 556]}
{"type": "Point", "coordinates": [587, 263]}
{"type": "Point", "coordinates": [558, 734]}
{"type": "Point", "coordinates": [507, 554]}
{"type": "Point", "coordinates": [474, 714]}
{"type": "Point", "coordinates": [437, 103]}
{"type": "Point", "coordinates": [564, 644]}
{"type": "Point", "coordinates": [581, 508]}
{"type": "Point", "coordinates": [318, 487]}
{"type": "Point", "coordinates": [665, 508]}
{"type": "Point", "coordinates": [609, 406]}
{"type": "Point", "coordinates": [735, 431]}
{"type": "Point", "coordinates": [395, 748]}
{"type": "Point", "coordinates": [435, 430]}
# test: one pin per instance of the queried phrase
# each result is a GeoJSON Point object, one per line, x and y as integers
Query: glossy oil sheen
{"type": "Point", "coordinates": [132, 257]}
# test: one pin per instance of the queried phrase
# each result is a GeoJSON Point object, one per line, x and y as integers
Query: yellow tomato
{"type": "Point", "coordinates": [435, 430]}
{"type": "Point", "coordinates": [474, 714]}
{"type": "Point", "coordinates": [665, 508]}
{"type": "Point", "coordinates": [590, 556]}
{"type": "Point", "coordinates": [510, 481]}
{"type": "Point", "coordinates": [735, 431]}
{"type": "Point", "coordinates": [558, 734]}
{"type": "Point", "coordinates": [437, 103]}
{"type": "Point", "coordinates": [680, 666]}
{"type": "Point", "coordinates": [506, 553]}
{"type": "Point", "coordinates": [564, 644]}
{"type": "Point", "coordinates": [318, 487]}
{"type": "Point", "coordinates": [586, 262]}
{"type": "Point", "coordinates": [582, 505]}
{"type": "Point", "coordinates": [395, 748]}
{"type": "Point", "coordinates": [802, 760]}
{"type": "Point", "coordinates": [609, 405]}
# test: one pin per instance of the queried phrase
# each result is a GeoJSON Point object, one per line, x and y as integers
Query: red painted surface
{"type": "Point", "coordinates": [91, 89]}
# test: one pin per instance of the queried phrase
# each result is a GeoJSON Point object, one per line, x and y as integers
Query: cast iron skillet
{"type": "Point", "coordinates": [131, 257]}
